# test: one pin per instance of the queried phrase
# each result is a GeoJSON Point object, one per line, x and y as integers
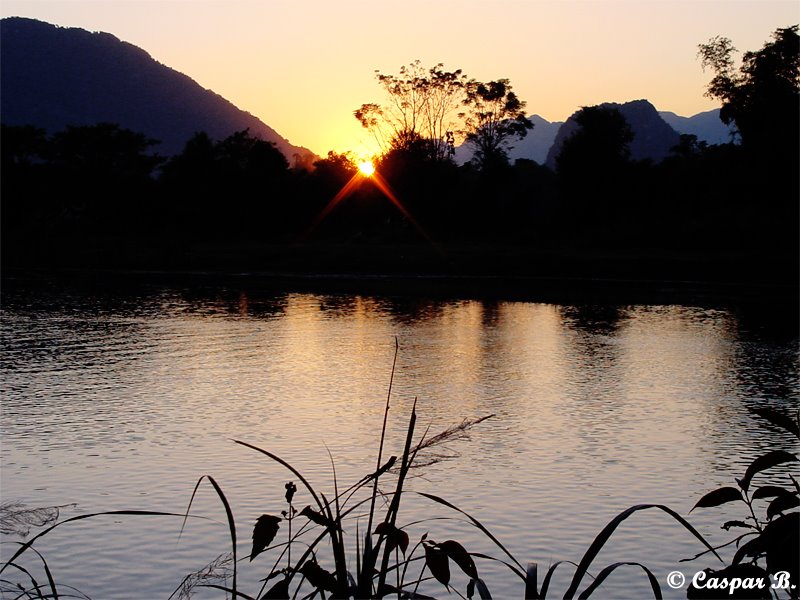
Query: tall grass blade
{"type": "Point", "coordinates": [23, 570]}
{"type": "Point", "coordinates": [476, 523]}
{"type": "Point", "coordinates": [370, 555]}
{"type": "Point", "coordinates": [549, 576]}
{"type": "Point", "coordinates": [230, 590]}
{"type": "Point", "coordinates": [609, 529]}
{"type": "Point", "coordinates": [511, 567]}
{"type": "Point", "coordinates": [133, 513]}
{"type": "Point", "coordinates": [231, 527]}
{"type": "Point", "coordinates": [532, 582]}
{"type": "Point", "coordinates": [602, 575]}
{"type": "Point", "coordinates": [279, 460]}
{"type": "Point", "coordinates": [51, 582]}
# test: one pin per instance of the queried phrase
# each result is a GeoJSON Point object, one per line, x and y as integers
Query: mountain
{"type": "Point", "coordinates": [54, 76]}
{"type": "Point", "coordinates": [533, 146]}
{"type": "Point", "coordinates": [705, 125]}
{"type": "Point", "coordinates": [652, 137]}
{"type": "Point", "coordinates": [537, 143]}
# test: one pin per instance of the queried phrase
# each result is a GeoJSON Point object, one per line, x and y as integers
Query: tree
{"type": "Point", "coordinates": [592, 166]}
{"type": "Point", "coordinates": [762, 98]}
{"type": "Point", "coordinates": [600, 145]}
{"type": "Point", "coordinates": [494, 116]}
{"type": "Point", "coordinates": [420, 111]}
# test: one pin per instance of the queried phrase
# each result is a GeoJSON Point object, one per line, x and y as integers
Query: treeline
{"type": "Point", "coordinates": [102, 181]}
{"type": "Point", "coordinates": [101, 186]}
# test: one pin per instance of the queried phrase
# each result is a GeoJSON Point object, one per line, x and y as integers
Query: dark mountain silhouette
{"type": "Point", "coordinates": [705, 125]}
{"type": "Point", "coordinates": [52, 77]}
{"type": "Point", "coordinates": [652, 137]}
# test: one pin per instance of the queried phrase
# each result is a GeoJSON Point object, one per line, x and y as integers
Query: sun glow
{"type": "Point", "coordinates": [366, 168]}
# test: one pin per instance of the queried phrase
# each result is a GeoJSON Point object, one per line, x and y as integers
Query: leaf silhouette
{"type": "Point", "coordinates": [460, 556]}
{"type": "Point", "coordinates": [291, 488]}
{"type": "Point", "coordinates": [394, 537]}
{"type": "Point", "coordinates": [264, 532]}
{"type": "Point", "coordinates": [279, 591]}
{"type": "Point", "coordinates": [728, 524]}
{"type": "Point", "coordinates": [782, 504]}
{"type": "Point", "coordinates": [762, 463]}
{"type": "Point", "coordinates": [778, 419]}
{"type": "Point", "coordinates": [719, 496]}
{"type": "Point", "coordinates": [770, 491]}
{"type": "Point", "coordinates": [436, 560]}
{"type": "Point", "coordinates": [318, 577]}
{"type": "Point", "coordinates": [483, 591]}
{"type": "Point", "coordinates": [316, 517]}
{"type": "Point", "coordinates": [782, 545]}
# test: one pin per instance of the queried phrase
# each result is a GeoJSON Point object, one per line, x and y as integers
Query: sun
{"type": "Point", "coordinates": [366, 168]}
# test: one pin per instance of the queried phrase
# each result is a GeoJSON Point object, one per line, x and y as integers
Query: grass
{"type": "Point", "coordinates": [386, 564]}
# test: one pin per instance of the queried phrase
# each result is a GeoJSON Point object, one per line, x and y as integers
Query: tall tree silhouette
{"type": "Point", "coordinates": [494, 117]}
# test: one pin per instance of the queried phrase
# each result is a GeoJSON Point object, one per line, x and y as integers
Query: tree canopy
{"type": "Point", "coordinates": [762, 97]}
{"type": "Point", "coordinates": [428, 110]}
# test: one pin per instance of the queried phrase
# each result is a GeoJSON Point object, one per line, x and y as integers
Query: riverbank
{"type": "Point", "coordinates": [545, 274]}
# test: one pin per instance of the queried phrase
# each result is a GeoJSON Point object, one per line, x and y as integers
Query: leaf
{"type": "Point", "coordinates": [602, 575]}
{"type": "Point", "coordinates": [770, 491]}
{"type": "Point", "coordinates": [762, 463]}
{"type": "Point", "coordinates": [719, 496]}
{"type": "Point", "coordinates": [394, 537]}
{"type": "Point", "coordinates": [436, 560]}
{"type": "Point", "coordinates": [483, 591]}
{"type": "Point", "coordinates": [461, 557]}
{"type": "Point", "coordinates": [279, 591]}
{"type": "Point", "coordinates": [602, 537]}
{"type": "Point", "coordinates": [316, 517]}
{"type": "Point", "coordinates": [782, 545]}
{"type": "Point", "coordinates": [264, 532]}
{"type": "Point", "coordinates": [753, 547]}
{"type": "Point", "coordinates": [388, 465]}
{"type": "Point", "coordinates": [471, 589]}
{"type": "Point", "coordinates": [318, 577]}
{"type": "Point", "coordinates": [291, 488]}
{"type": "Point", "coordinates": [782, 504]}
{"type": "Point", "coordinates": [475, 522]}
{"type": "Point", "coordinates": [728, 524]}
{"type": "Point", "coordinates": [778, 419]}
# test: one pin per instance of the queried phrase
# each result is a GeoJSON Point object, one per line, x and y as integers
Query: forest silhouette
{"type": "Point", "coordinates": [98, 195]}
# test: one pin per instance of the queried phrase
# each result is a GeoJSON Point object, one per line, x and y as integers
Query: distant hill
{"type": "Point", "coordinates": [652, 137]}
{"type": "Point", "coordinates": [533, 146]}
{"type": "Point", "coordinates": [53, 76]}
{"type": "Point", "coordinates": [705, 125]}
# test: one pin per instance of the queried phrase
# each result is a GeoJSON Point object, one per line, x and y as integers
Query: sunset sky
{"type": "Point", "coordinates": [304, 66]}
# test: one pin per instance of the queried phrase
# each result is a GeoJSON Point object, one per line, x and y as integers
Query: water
{"type": "Point", "coordinates": [118, 399]}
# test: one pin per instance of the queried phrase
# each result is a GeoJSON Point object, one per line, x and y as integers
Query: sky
{"type": "Point", "coordinates": [304, 66]}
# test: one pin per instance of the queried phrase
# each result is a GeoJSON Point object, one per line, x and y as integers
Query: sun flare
{"type": "Point", "coordinates": [366, 168]}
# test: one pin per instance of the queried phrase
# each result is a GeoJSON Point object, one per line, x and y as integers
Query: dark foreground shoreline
{"type": "Point", "coordinates": [498, 272]}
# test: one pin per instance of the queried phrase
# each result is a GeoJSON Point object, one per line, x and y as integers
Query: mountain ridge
{"type": "Point", "coordinates": [53, 77]}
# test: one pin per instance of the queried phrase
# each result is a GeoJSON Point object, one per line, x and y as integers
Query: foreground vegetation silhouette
{"type": "Point", "coordinates": [381, 560]}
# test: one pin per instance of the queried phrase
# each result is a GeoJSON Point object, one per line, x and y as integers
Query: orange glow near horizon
{"type": "Point", "coordinates": [366, 168]}
{"type": "Point", "coordinates": [568, 54]}
{"type": "Point", "coordinates": [367, 171]}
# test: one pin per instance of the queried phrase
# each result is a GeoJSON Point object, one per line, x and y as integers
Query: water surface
{"type": "Point", "coordinates": [121, 399]}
